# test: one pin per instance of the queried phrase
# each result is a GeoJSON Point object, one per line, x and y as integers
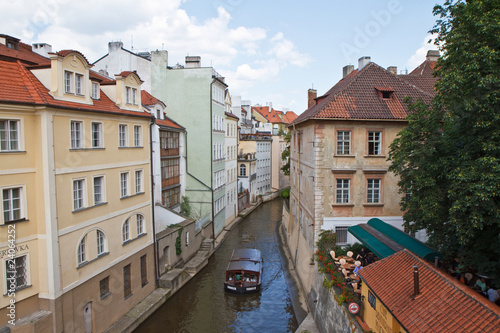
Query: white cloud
{"type": "Point", "coordinates": [285, 51]}
{"type": "Point", "coordinates": [419, 56]}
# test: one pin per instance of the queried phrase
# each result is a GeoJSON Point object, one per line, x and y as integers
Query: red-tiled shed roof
{"type": "Point", "coordinates": [232, 115]}
{"type": "Point", "coordinates": [443, 305]}
{"type": "Point", "coordinates": [19, 85]}
{"type": "Point", "coordinates": [168, 123]}
{"type": "Point", "coordinates": [148, 99]}
{"type": "Point", "coordinates": [356, 97]}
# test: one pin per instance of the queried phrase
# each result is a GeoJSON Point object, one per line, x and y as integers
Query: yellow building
{"type": "Point", "coordinates": [74, 178]}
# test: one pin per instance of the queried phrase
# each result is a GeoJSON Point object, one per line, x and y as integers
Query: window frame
{"type": "Point", "coordinates": [104, 287]}
{"type": "Point", "coordinates": [374, 145]}
{"type": "Point", "coordinates": [99, 137]}
{"type": "Point", "coordinates": [126, 231]}
{"type": "Point", "coordinates": [102, 243]}
{"type": "Point", "coordinates": [144, 270]}
{"type": "Point", "coordinates": [127, 281]}
{"type": "Point", "coordinates": [102, 187]}
{"type": "Point", "coordinates": [122, 135]}
{"type": "Point", "coordinates": [243, 170]}
{"type": "Point", "coordinates": [341, 142]}
{"type": "Point", "coordinates": [96, 91]}
{"type": "Point", "coordinates": [371, 190]}
{"type": "Point", "coordinates": [372, 300]}
{"type": "Point", "coordinates": [345, 230]}
{"type": "Point", "coordinates": [68, 82]}
{"type": "Point", "coordinates": [22, 203]}
{"type": "Point", "coordinates": [124, 184]}
{"type": "Point", "coordinates": [343, 190]}
{"type": "Point", "coordinates": [25, 275]}
{"type": "Point", "coordinates": [79, 85]}
{"type": "Point", "coordinates": [77, 142]}
{"type": "Point", "coordinates": [81, 252]}
{"type": "Point", "coordinates": [139, 183]}
{"type": "Point", "coordinates": [141, 230]}
{"type": "Point", "coordinates": [8, 137]}
{"type": "Point", "coordinates": [137, 136]}
{"type": "Point", "coordinates": [83, 194]}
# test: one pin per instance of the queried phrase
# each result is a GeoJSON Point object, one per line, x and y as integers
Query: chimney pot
{"type": "Point", "coordinates": [393, 69]}
{"type": "Point", "coordinates": [432, 55]}
{"type": "Point", "coordinates": [113, 46]}
{"type": "Point", "coordinates": [311, 95]}
{"type": "Point", "coordinates": [193, 61]}
{"type": "Point", "coordinates": [363, 61]}
{"type": "Point", "coordinates": [416, 286]}
{"type": "Point", "coordinates": [347, 70]}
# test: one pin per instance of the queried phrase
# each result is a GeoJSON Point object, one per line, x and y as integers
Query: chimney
{"type": "Point", "coordinates": [393, 70]}
{"type": "Point", "coordinates": [114, 46]}
{"type": "Point", "coordinates": [311, 95]}
{"type": "Point", "coordinates": [432, 55]}
{"type": "Point", "coordinates": [363, 61]}
{"type": "Point", "coordinates": [416, 287]}
{"type": "Point", "coordinates": [270, 106]}
{"type": "Point", "coordinates": [193, 61]}
{"type": "Point", "coordinates": [347, 70]}
{"type": "Point", "coordinates": [42, 49]}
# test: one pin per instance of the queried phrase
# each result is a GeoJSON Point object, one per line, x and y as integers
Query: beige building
{"type": "Point", "coordinates": [339, 147]}
{"type": "Point", "coordinates": [75, 186]}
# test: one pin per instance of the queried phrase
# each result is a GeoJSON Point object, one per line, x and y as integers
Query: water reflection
{"type": "Point", "coordinates": [202, 305]}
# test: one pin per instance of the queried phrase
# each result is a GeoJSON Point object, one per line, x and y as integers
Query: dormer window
{"type": "Point", "coordinates": [95, 90]}
{"type": "Point", "coordinates": [68, 79]}
{"type": "Point", "coordinates": [385, 92]}
{"type": "Point", "coordinates": [79, 84]}
{"type": "Point", "coordinates": [131, 95]}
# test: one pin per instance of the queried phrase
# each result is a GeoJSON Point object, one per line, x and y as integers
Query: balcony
{"type": "Point", "coordinates": [169, 152]}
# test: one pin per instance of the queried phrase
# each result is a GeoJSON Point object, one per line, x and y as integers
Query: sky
{"type": "Point", "coordinates": [268, 51]}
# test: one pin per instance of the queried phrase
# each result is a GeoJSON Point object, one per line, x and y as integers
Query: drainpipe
{"type": "Point", "coordinates": [212, 159]}
{"type": "Point", "coordinates": [155, 243]}
{"type": "Point", "coordinates": [298, 204]}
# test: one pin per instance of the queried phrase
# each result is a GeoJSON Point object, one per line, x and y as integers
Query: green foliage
{"type": "Point", "coordinates": [285, 194]}
{"type": "Point", "coordinates": [185, 206]}
{"type": "Point", "coordinates": [285, 155]}
{"type": "Point", "coordinates": [449, 155]}
{"type": "Point", "coordinates": [327, 241]}
{"type": "Point", "coordinates": [178, 245]}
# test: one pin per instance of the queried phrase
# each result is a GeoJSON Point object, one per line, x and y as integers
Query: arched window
{"type": "Point", "coordinates": [140, 225]}
{"type": "Point", "coordinates": [243, 170]}
{"type": "Point", "coordinates": [101, 242]}
{"type": "Point", "coordinates": [126, 231]}
{"type": "Point", "coordinates": [82, 251]}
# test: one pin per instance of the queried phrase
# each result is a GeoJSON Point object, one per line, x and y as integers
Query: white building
{"type": "Point", "coordinates": [231, 144]}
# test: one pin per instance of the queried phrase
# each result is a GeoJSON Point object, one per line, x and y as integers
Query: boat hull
{"type": "Point", "coordinates": [242, 289]}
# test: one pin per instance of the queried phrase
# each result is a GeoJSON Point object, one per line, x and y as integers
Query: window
{"type": "Point", "coordinates": [372, 300]}
{"type": "Point", "coordinates": [78, 194]}
{"type": "Point", "coordinates": [137, 136]}
{"type": "Point", "coordinates": [127, 283]}
{"type": "Point", "coordinates": [374, 143]}
{"type": "Point", "coordinates": [95, 90]}
{"type": "Point", "coordinates": [144, 270]}
{"type": "Point", "coordinates": [101, 243]}
{"type": "Point", "coordinates": [82, 251]}
{"type": "Point", "coordinates": [343, 142]}
{"type": "Point", "coordinates": [341, 233]}
{"type": "Point", "coordinates": [98, 190]}
{"type": "Point", "coordinates": [76, 134]}
{"type": "Point", "coordinates": [134, 94]}
{"type": "Point", "coordinates": [79, 84]}
{"type": "Point", "coordinates": [187, 238]}
{"type": "Point", "coordinates": [170, 170]}
{"type": "Point", "coordinates": [243, 170]}
{"type": "Point", "coordinates": [171, 197]}
{"type": "Point", "coordinates": [68, 78]}
{"type": "Point", "coordinates": [20, 267]}
{"type": "Point", "coordinates": [124, 184]}
{"type": "Point", "coordinates": [96, 135]}
{"type": "Point", "coordinates": [9, 135]}
{"type": "Point", "coordinates": [128, 92]}
{"type": "Point", "coordinates": [104, 287]}
{"type": "Point", "coordinates": [122, 135]}
{"type": "Point", "coordinates": [373, 191]}
{"type": "Point", "coordinates": [140, 224]}
{"type": "Point", "coordinates": [138, 181]}
{"type": "Point", "coordinates": [12, 204]}
{"type": "Point", "coordinates": [126, 231]}
{"type": "Point", "coordinates": [342, 191]}
{"type": "Point", "coordinates": [131, 95]}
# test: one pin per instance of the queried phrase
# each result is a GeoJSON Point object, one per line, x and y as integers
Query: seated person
{"type": "Point", "coordinates": [357, 269]}
{"type": "Point", "coordinates": [361, 256]}
{"type": "Point", "coordinates": [480, 285]}
{"type": "Point", "coordinates": [231, 277]}
{"type": "Point", "coordinates": [492, 294]}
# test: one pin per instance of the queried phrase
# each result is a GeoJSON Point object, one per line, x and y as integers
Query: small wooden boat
{"type": "Point", "coordinates": [244, 271]}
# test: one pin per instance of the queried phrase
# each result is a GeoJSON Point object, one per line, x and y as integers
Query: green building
{"type": "Point", "coordinates": [195, 98]}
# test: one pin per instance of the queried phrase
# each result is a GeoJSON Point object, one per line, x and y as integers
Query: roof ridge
{"type": "Point", "coordinates": [27, 80]}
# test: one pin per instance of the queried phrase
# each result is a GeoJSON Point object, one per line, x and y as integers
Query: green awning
{"type": "Point", "coordinates": [405, 240]}
{"type": "Point", "coordinates": [371, 242]}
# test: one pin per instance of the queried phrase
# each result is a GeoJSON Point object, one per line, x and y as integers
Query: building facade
{"type": "Point", "coordinates": [77, 199]}
{"type": "Point", "coordinates": [231, 163]}
{"type": "Point", "coordinates": [339, 170]}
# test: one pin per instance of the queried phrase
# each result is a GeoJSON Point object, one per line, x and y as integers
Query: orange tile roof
{"type": "Point", "coordinates": [19, 85]}
{"type": "Point", "coordinates": [272, 116]}
{"type": "Point", "coordinates": [290, 116]}
{"type": "Point", "coordinates": [168, 123]}
{"type": "Point", "coordinates": [356, 96]}
{"type": "Point", "coordinates": [443, 305]}
{"type": "Point", "coordinates": [64, 53]}
{"type": "Point", "coordinates": [148, 99]}
{"type": "Point", "coordinates": [24, 53]}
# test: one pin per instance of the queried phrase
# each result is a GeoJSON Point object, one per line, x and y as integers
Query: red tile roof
{"type": "Point", "coordinates": [356, 97]}
{"type": "Point", "coordinates": [423, 76]}
{"type": "Point", "coordinates": [64, 53]}
{"type": "Point", "coordinates": [148, 99]}
{"type": "Point", "coordinates": [443, 305]}
{"type": "Point", "coordinates": [24, 53]}
{"type": "Point", "coordinates": [232, 115]}
{"type": "Point", "coordinates": [167, 122]}
{"type": "Point", "coordinates": [290, 116]}
{"type": "Point", "coordinates": [274, 116]}
{"type": "Point", "coordinates": [19, 85]}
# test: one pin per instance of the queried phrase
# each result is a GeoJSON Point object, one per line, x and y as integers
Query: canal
{"type": "Point", "coordinates": [202, 305]}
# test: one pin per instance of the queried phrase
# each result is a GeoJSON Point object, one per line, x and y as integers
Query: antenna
{"type": "Point", "coordinates": [132, 42]}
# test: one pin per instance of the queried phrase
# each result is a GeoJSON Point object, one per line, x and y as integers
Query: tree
{"type": "Point", "coordinates": [449, 154]}
{"type": "Point", "coordinates": [285, 155]}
